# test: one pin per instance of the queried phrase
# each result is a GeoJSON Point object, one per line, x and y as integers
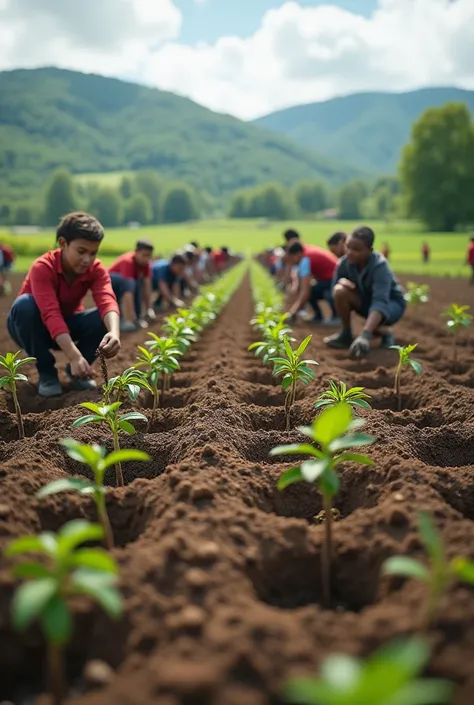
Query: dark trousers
{"type": "Point", "coordinates": [120, 285]}
{"type": "Point", "coordinates": [472, 275]}
{"type": "Point", "coordinates": [30, 334]}
{"type": "Point", "coordinates": [321, 291]}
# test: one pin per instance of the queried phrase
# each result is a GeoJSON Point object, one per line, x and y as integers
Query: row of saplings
{"type": "Point", "coordinates": [66, 568]}
{"type": "Point", "coordinates": [61, 567]}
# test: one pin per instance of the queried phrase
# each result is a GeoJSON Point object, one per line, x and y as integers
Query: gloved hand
{"type": "Point", "coordinates": [361, 346]}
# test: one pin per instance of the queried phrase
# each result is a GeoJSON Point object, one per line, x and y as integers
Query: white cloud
{"type": "Point", "coordinates": [297, 55]}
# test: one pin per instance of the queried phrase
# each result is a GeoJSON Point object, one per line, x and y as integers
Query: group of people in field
{"type": "Point", "coordinates": [48, 313]}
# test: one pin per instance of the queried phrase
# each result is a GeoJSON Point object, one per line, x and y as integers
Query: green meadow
{"type": "Point", "coordinates": [448, 251]}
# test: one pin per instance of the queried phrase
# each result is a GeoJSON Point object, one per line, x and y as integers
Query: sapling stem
{"type": "Point", "coordinates": [326, 556]}
{"type": "Point", "coordinates": [19, 417]}
{"type": "Point", "coordinates": [118, 466]}
{"type": "Point", "coordinates": [56, 673]}
{"type": "Point", "coordinates": [398, 387]}
{"type": "Point", "coordinates": [105, 523]}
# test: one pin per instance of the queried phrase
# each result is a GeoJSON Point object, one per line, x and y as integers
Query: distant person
{"type": "Point", "coordinates": [337, 244]}
{"type": "Point", "coordinates": [189, 279]}
{"type": "Point", "coordinates": [220, 259]}
{"type": "Point", "coordinates": [385, 251]}
{"type": "Point", "coordinates": [364, 283]}
{"type": "Point", "coordinates": [166, 276]}
{"type": "Point", "coordinates": [470, 258]}
{"type": "Point", "coordinates": [48, 313]}
{"type": "Point", "coordinates": [313, 263]}
{"type": "Point", "coordinates": [290, 236]}
{"type": "Point", "coordinates": [7, 258]}
{"type": "Point", "coordinates": [130, 275]}
{"type": "Point", "coordinates": [203, 265]}
{"type": "Point", "coordinates": [425, 252]}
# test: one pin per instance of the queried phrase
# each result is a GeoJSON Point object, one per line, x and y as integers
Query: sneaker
{"type": "Point", "coordinates": [340, 341]}
{"type": "Point", "coordinates": [141, 323]}
{"type": "Point", "coordinates": [128, 327]}
{"type": "Point", "coordinates": [336, 322]}
{"type": "Point", "coordinates": [387, 340]}
{"type": "Point", "coordinates": [49, 387]}
{"type": "Point", "coordinates": [81, 384]}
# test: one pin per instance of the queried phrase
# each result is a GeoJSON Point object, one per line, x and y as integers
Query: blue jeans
{"type": "Point", "coordinates": [321, 291]}
{"type": "Point", "coordinates": [27, 329]}
{"type": "Point", "coordinates": [120, 285]}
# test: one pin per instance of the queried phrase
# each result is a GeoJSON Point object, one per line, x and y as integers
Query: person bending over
{"type": "Point", "coordinates": [337, 244]}
{"type": "Point", "coordinates": [220, 260]}
{"type": "Point", "coordinates": [313, 263]}
{"type": "Point", "coordinates": [7, 258]}
{"type": "Point", "coordinates": [166, 276]}
{"type": "Point", "coordinates": [48, 313]}
{"type": "Point", "coordinates": [130, 275]}
{"type": "Point", "coordinates": [364, 283]}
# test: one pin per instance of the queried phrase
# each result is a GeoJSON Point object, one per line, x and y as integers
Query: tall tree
{"type": "Point", "coordinates": [60, 197]}
{"type": "Point", "coordinates": [138, 208]}
{"type": "Point", "coordinates": [239, 206]}
{"type": "Point", "coordinates": [106, 206]}
{"type": "Point", "coordinates": [311, 196]}
{"type": "Point", "coordinates": [178, 204]}
{"type": "Point", "coordinates": [126, 187]}
{"type": "Point", "coordinates": [351, 197]}
{"type": "Point", "coordinates": [150, 184]}
{"type": "Point", "coordinates": [437, 168]}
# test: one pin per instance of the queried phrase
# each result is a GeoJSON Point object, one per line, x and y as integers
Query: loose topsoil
{"type": "Point", "coordinates": [220, 573]}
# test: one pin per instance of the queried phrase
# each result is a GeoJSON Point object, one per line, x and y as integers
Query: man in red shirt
{"type": "Point", "coordinates": [313, 263]}
{"type": "Point", "coordinates": [48, 313]}
{"type": "Point", "coordinates": [470, 258]}
{"type": "Point", "coordinates": [130, 275]}
{"type": "Point", "coordinates": [220, 259]}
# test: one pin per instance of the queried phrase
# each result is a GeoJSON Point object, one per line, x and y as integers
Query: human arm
{"type": "Point", "coordinates": [107, 305]}
{"type": "Point", "coordinates": [379, 310]}
{"type": "Point", "coordinates": [304, 274]}
{"type": "Point", "coordinates": [169, 295]}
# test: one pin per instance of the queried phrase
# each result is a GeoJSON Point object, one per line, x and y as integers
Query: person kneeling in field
{"type": "Point", "coordinates": [48, 313]}
{"type": "Point", "coordinates": [166, 280]}
{"type": "Point", "coordinates": [313, 263]}
{"type": "Point", "coordinates": [364, 283]}
{"type": "Point", "coordinates": [130, 275]}
{"type": "Point", "coordinates": [337, 244]}
{"type": "Point", "coordinates": [7, 258]}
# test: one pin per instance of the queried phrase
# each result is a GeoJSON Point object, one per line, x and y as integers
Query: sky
{"type": "Point", "coordinates": [248, 57]}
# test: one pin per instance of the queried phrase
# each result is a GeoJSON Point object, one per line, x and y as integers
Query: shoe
{"type": "Point", "coordinates": [79, 384]}
{"type": "Point", "coordinates": [142, 323]}
{"type": "Point", "coordinates": [316, 321]}
{"type": "Point", "coordinates": [128, 327]}
{"type": "Point", "coordinates": [49, 387]}
{"type": "Point", "coordinates": [340, 341]}
{"type": "Point", "coordinates": [387, 340]}
{"type": "Point", "coordinates": [332, 322]}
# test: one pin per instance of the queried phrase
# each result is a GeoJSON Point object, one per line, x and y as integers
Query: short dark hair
{"type": "Point", "coordinates": [225, 250]}
{"type": "Point", "coordinates": [195, 244]}
{"type": "Point", "coordinates": [295, 248]}
{"type": "Point", "coordinates": [365, 234]}
{"type": "Point", "coordinates": [144, 245]}
{"type": "Point", "coordinates": [291, 235]}
{"type": "Point", "coordinates": [336, 238]}
{"type": "Point", "coordinates": [80, 226]}
{"type": "Point", "coordinates": [178, 259]}
{"type": "Point", "coordinates": [208, 250]}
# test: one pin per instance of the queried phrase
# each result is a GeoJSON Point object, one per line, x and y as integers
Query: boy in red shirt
{"type": "Point", "coordinates": [220, 259]}
{"type": "Point", "coordinates": [470, 258]}
{"type": "Point", "coordinates": [130, 275]}
{"type": "Point", "coordinates": [313, 263]}
{"type": "Point", "coordinates": [48, 313]}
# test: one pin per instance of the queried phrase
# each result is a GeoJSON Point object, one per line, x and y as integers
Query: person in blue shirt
{"type": "Point", "coordinates": [166, 276]}
{"type": "Point", "coordinates": [364, 283]}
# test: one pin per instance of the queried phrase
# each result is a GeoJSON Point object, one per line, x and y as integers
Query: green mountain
{"type": "Point", "coordinates": [54, 118]}
{"type": "Point", "coordinates": [366, 130]}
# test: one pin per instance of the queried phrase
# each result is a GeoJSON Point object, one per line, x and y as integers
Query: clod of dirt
{"type": "Point", "coordinates": [208, 551]}
{"type": "Point", "coordinates": [196, 578]}
{"type": "Point", "coordinates": [191, 617]}
{"type": "Point", "coordinates": [97, 673]}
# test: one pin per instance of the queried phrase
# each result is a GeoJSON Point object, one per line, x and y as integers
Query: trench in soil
{"type": "Point", "coordinates": [221, 572]}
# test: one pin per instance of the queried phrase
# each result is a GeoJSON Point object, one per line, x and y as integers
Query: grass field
{"type": "Point", "coordinates": [249, 236]}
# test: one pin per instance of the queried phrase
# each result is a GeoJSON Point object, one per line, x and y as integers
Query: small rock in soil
{"type": "Point", "coordinates": [196, 578]}
{"type": "Point", "coordinates": [98, 673]}
{"type": "Point", "coordinates": [208, 551]}
{"type": "Point", "coordinates": [4, 512]}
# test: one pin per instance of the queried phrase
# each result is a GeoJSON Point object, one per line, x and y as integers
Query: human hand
{"type": "Point", "coordinates": [150, 314]}
{"type": "Point", "coordinates": [110, 345]}
{"type": "Point", "coordinates": [361, 346]}
{"type": "Point", "coordinates": [347, 283]}
{"type": "Point", "coordinates": [80, 367]}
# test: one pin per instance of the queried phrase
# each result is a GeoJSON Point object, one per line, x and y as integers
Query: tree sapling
{"type": "Point", "coordinates": [440, 572]}
{"type": "Point", "coordinates": [66, 572]}
{"type": "Point", "coordinates": [129, 383]}
{"type": "Point", "coordinates": [93, 456]}
{"type": "Point", "coordinates": [293, 370]}
{"type": "Point", "coordinates": [403, 360]}
{"type": "Point", "coordinates": [109, 415]}
{"type": "Point", "coordinates": [332, 430]}
{"type": "Point", "coordinates": [458, 318]}
{"type": "Point", "coordinates": [417, 294]}
{"type": "Point", "coordinates": [165, 353]}
{"type": "Point", "coordinates": [273, 343]}
{"type": "Point", "coordinates": [338, 392]}
{"type": "Point", "coordinates": [11, 363]}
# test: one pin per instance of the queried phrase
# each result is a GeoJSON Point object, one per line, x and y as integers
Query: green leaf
{"type": "Point", "coordinates": [308, 691]}
{"type": "Point", "coordinates": [323, 402]}
{"type": "Point", "coordinates": [332, 423]}
{"type": "Point", "coordinates": [133, 391]}
{"type": "Point", "coordinates": [67, 484]}
{"type": "Point", "coordinates": [30, 570]}
{"type": "Point", "coordinates": [21, 378]}
{"type": "Point", "coordinates": [303, 346]}
{"type": "Point", "coordinates": [127, 427]}
{"type": "Point", "coordinates": [355, 440]}
{"type": "Point", "coordinates": [286, 382]}
{"type": "Point", "coordinates": [405, 567]}
{"type": "Point", "coordinates": [87, 419]}
{"type": "Point", "coordinates": [416, 367]}
{"type": "Point", "coordinates": [90, 406]}
{"type": "Point", "coordinates": [90, 455]}
{"type": "Point", "coordinates": [25, 544]}
{"type": "Point", "coordinates": [76, 532]}
{"type": "Point", "coordinates": [56, 621]}
{"type": "Point", "coordinates": [329, 483]}
{"type": "Point", "coordinates": [288, 348]}
{"type": "Point", "coordinates": [354, 458]}
{"type": "Point", "coordinates": [431, 536]}
{"type": "Point", "coordinates": [463, 569]}
{"type": "Point", "coordinates": [133, 416]}
{"type": "Point", "coordinates": [30, 600]}
{"type": "Point", "coordinates": [101, 587]}
{"type": "Point", "coordinates": [360, 402]}
{"type": "Point", "coordinates": [95, 559]}
{"type": "Point", "coordinates": [123, 456]}
{"type": "Point", "coordinates": [289, 477]}
{"type": "Point", "coordinates": [4, 381]}
{"type": "Point", "coordinates": [311, 470]}
{"type": "Point", "coordinates": [295, 449]}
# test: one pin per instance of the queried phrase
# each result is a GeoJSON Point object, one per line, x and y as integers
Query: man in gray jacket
{"type": "Point", "coordinates": [364, 283]}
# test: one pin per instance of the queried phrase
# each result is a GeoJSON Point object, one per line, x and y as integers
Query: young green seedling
{"type": "Point", "coordinates": [417, 294]}
{"type": "Point", "coordinates": [273, 344]}
{"type": "Point", "coordinates": [338, 392]}
{"type": "Point", "coordinates": [93, 456]}
{"type": "Point", "coordinates": [109, 415]}
{"type": "Point", "coordinates": [11, 363]}
{"type": "Point", "coordinates": [149, 360]}
{"type": "Point", "coordinates": [389, 677]}
{"type": "Point", "coordinates": [181, 331]}
{"type": "Point", "coordinates": [404, 359]}
{"type": "Point", "coordinates": [440, 572]}
{"type": "Point", "coordinates": [165, 352]}
{"type": "Point", "coordinates": [65, 571]}
{"type": "Point", "coordinates": [293, 370]}
{"type": "Point", "coordinates": [458, 318]}
{"type": "Point", "coordinates": [130, 383]}
{"type": "Point", "coordinates": [332, 430]}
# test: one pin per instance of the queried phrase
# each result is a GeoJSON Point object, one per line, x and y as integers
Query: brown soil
{"type": "Point", "coordinates": [220, 572]}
